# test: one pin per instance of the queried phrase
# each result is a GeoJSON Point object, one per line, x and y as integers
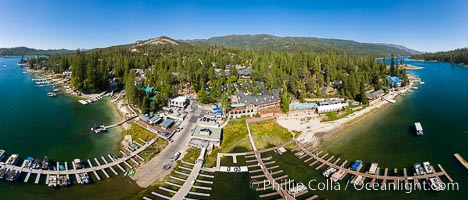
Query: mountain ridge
{"type": "Point", "coordinates": [266, 41]}
{"type": "Point", "coordinates": [18, 51]}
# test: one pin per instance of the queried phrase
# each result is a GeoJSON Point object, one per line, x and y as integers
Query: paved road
{"type": "Point", "coordinates": [153, 169]}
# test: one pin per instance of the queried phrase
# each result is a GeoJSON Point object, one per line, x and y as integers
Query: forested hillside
{"type": "Point", "coordinates": [459, 56]}
{"type": "Point", "coordinates": [310, 44]}
{"type": "Point", "coordinates": [170, 66]}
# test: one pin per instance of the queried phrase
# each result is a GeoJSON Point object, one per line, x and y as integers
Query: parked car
{"type": "Point", "coordinates": [176, 156]}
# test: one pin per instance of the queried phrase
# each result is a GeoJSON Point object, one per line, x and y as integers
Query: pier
{"type": "Point", "coordinates": [94, 171]}
{"type": "Point", "coordinates": [38, 177]}
{"type": "Point", "coordinates": [76, 172]}
{"type": "Point", "coordinates": [121, 122]}
{"type": "Point", "coordinates": [93, 99]}
{"type": "Point", "coordinates": [385, 177]}
{"type": "Point", "coordinates": [461, 160]}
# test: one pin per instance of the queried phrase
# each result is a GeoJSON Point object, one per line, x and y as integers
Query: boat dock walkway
{"type": "Point", "coordinates": [461, 160]}
{"type": "Point", "coordinates": [121, 122]}
{"type": "Point", "coordinates": [384, 177]}
{"type": "Point", "coordinates": [280, 190]}
{"type": "Point", "coordinates": [95, 98]}
{"type": "Point", "coordinates": [74, 171]}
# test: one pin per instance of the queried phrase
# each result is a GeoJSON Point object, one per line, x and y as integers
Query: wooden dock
{"type": "Point", "coordinates": [461, 160]}
{"type": "Point", "coordinates": [70, 172]}
{"type": "Point", "coordinates": [94, 171]}
{"type": "Point", "coordinates": [385, 178]}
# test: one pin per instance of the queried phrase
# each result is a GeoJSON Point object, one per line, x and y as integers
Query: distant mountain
{"type": "Point", "coordinates": [270, 42]}
{"type": "Point", "coordinates": [156, 41]}
{"type": "Point", "coordinates": [18, 51]}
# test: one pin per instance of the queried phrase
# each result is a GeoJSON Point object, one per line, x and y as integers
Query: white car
{"type": "Point", "coordinates": [176, 156]}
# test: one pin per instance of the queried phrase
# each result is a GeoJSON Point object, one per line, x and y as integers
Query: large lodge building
{"type": "Point", "coordinates": [248, 104]}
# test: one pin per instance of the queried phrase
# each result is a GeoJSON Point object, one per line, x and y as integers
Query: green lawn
{"type": "Point", "coordinates": [154, 149]}
{"type": "Point", "coordinates": [235, 140]}
{"type": "Point", "coordinates": [269, 134]}
{"type": "Point", "coordinates": [138, 132]}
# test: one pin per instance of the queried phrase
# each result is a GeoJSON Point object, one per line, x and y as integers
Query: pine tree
{"type": "Point", "coordinates": [363, 96]}
{"type": "Point", "coordinates": [285, 99]}
{"type": "Point", "coordinates": [392, 66]}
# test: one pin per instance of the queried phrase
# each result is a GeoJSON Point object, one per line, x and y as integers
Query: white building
{"type": "Point", "coordinates": [179, 102]}
{"type": "Point", "coordinates": [331, 108]}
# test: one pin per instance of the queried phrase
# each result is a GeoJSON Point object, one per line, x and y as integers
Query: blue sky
{"type": "Point", "coordinates": [430, 25]}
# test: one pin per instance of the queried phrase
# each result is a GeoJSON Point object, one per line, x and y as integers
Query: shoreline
{"type": "Point", "coordinates": [315, 131]}
{"type": "Point", "coordinates": [117, 112]}
{"type": "Point", "coordinates": [62, 82]}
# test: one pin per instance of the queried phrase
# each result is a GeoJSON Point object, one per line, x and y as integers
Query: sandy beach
{"type": "Point", "coordinates": [313, 129]}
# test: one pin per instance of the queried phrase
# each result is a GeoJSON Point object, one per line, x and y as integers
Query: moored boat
{"type": "Point", "coordinates": [78, 163]}
{"type": "Point", "coordinates": [12, 160]}
{"type": "Point", "coordinates": [63, 180]}
{"type": "Point", "coordinates": [61, 167]}
{"type": "Point", "coordinates": [373, 168]}
{"type": "Point", "coordinates": [3, 171]}
{"type": "Point", "coordinates": [419, 129]}
{"type": "Point", "coordinates": [329, 171]}
{"type": "Point", "coordinates": [36, 164]}
{"type": "Point", "coordinates": [13, 175]}
{"type": "Point", "coordinates": [98, 129]}
{"type": "Point", "coordinates": [53, 180]}
{"type": "Point", "coordinates": [427, 167]}
{"type": "Point", "coordinates": [27, 162]}
{"type": "Point", "coordinates": [132, 172]}
{"type": "Point", "coordinates": [355, 166]}
{"type": "Point", "coordinates": [84, 178]}
{"type": "Point", "coordinates": [51, 94]}
{"type": "Point", "coordinates": [436, 184]}
{"type": "Point", "coordinates": [418, 169]}
{"type": "Point", "coordinates": [2, 154]}
{"type": "Point", "coordinates": [45, 163]}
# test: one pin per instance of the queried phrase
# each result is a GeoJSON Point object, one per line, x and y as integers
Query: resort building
{"type": "Point", "coordinates": [248, 104]}
{"type": "Point", "coordinates": [179, 102]}
{"type": "Point", "coordinates": [207, 134]}
{"type": "Point", "coordinates": [393, 81]}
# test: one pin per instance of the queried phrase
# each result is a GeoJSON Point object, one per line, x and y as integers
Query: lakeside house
{"type": "Point", "coordinates": [179, 102]}
{"type": "Point", "coordinates": [393, 81]}
{"type": "Point", "coordinates": [249, 104]}
{"type": "Point", "coordinates": [373, 95]}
